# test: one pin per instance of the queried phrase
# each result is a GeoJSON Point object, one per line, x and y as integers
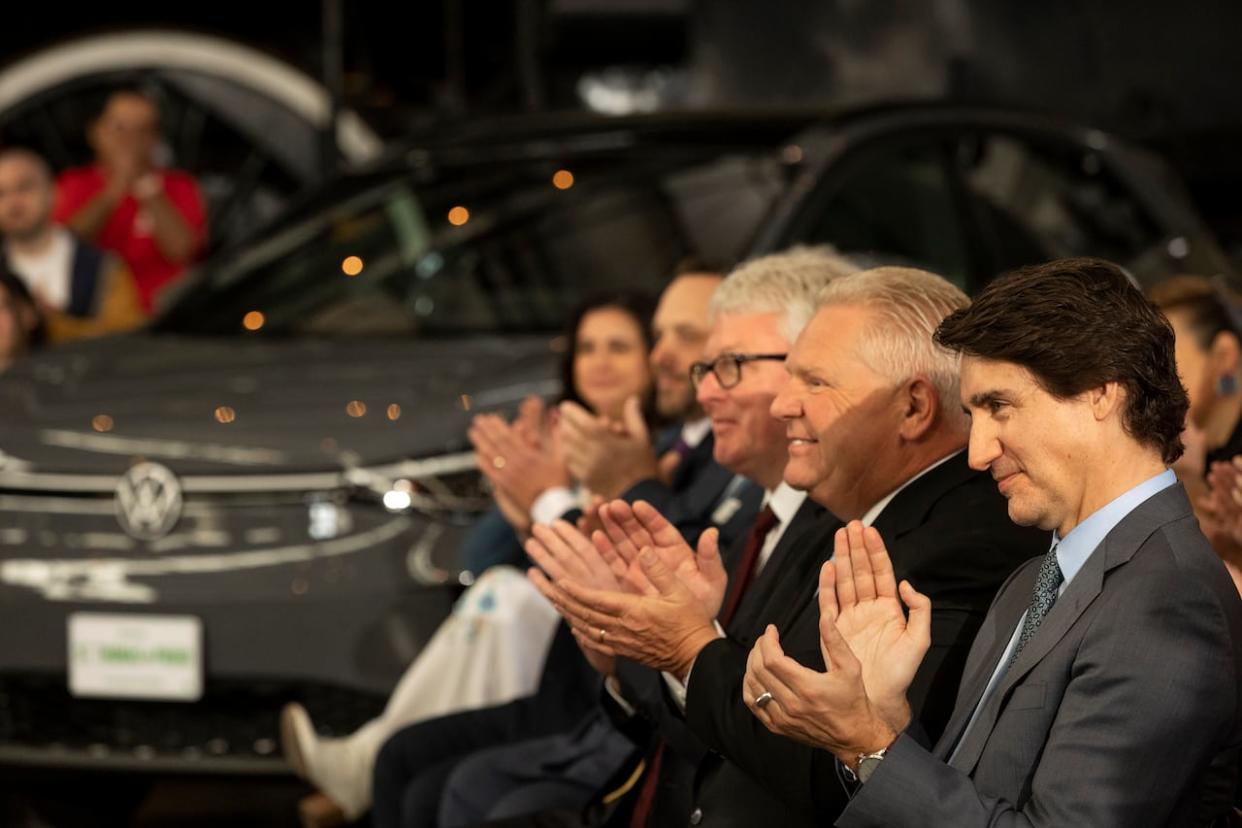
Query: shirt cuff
{"type": "Point", "coordinates": [614, 689]}
{"type": "Point", "coordinates": [675, 685]}
{"type": "Point", "coordinates": [551, 504]}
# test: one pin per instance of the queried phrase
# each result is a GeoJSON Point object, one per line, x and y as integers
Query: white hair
{"type": "Point", "coordinates": [788, 283]}
{"type": "Point", "coordinates": [908, 305]}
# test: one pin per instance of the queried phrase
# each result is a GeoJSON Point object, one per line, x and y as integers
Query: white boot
{"type": "Point", "coordinates": [340, 768]}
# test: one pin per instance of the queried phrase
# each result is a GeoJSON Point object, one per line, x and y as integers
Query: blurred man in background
{"type": "Point", "coordinates": [80, 290]}
{"type": "Point", "coordinates": [152, 217]}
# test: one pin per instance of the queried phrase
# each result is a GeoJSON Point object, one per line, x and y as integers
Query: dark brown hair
{"type": "Point", "coordinates": [1076, 324]}
{"type": "Point", "coordinates": [639, 306]}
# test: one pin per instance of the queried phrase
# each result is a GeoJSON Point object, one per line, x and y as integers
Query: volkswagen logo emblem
{"type": "Point", "coordinates": [148, 501]}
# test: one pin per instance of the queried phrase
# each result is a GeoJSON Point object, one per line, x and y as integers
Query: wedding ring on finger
{"type": "Point", "coordinates": [603, 633]}
{"type": "Point", "coordinates": [762, 700]}
{"type": "Point", "coordinates": [498, 462]}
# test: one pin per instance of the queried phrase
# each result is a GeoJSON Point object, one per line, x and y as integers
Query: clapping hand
{"type": "Point", "coordinates": [521, 460]}
{"type": "Point", "coordinates": [659, 612]}
{"type": "Point", "coordinates": [608, 457]}
{"type": "Point", "coordinates": [872, 651]}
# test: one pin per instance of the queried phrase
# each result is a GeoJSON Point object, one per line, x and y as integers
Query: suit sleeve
{"type": "Point", "coordinates": [1139, 723]}
{"type": "Point", "coordinates": [656, 713]}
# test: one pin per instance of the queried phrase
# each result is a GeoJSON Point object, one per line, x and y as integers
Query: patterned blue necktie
{"type": "Point", "coordinates": [1043, 596]}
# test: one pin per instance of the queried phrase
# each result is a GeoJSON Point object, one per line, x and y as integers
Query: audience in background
{"type": "Point", "coordinates": [80, 290]}
{"type": "Point", "coordinates": [126, 203]}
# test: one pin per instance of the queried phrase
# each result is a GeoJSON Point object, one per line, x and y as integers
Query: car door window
{"type": "Point", "coordinates": [1035, 203]}
{"type": "Point", "coordinates": [388, 263]}
{"type": "Point", "coordinates": [890, 204]}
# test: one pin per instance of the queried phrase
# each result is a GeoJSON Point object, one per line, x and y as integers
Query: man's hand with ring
{"type": "Point", "coordinates": [562, 553]}
{"type": "Point", "coordinates": [514, 463]}
{"type": "Point", "coordinates": [871, 649]}
{"type": "Point", "coordinates": [665, 630]}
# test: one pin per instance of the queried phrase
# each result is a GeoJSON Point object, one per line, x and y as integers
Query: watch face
{"type": "Point", "coordinates": [867, 766]}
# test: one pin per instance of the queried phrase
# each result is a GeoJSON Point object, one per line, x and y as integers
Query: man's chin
{"type": "Point", "coordinates": [804, 480]}
{"type": "Point", "coordinates": [678, 407]}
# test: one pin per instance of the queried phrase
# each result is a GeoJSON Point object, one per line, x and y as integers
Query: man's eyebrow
{"type": "Point", "coordinates": [983, 398]}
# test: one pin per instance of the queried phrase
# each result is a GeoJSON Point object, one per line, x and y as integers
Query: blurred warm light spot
{"type": "Point", "coordinates": [466, 402]}
{"type": "Point", "coordinates": [394, 412]}
{"type": "Point", "coordinates": [562, 179]}
{"type": "Point", "coordinates": [792, 154]}
{"type": "Point", "coordinates": [101, 422]}
{"type": "Point", "coordinates": [458, 216]}
{"type": "Point", "coordinates": [356, 408]}
{"type": "Point", "coordinates": [253, 320]}
{"type": "Point", "coordinates": [226, 415]}
{"type": "Point", "coordinates": [352, 266]}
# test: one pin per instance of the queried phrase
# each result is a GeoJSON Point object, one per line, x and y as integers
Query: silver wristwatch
{"type": "Point", "coordinates": [867, 764]}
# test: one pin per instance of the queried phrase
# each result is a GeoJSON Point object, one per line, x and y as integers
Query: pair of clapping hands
{"type": "Point", "coordinates": [635, 589]}
{"type": "Point", "coordinates": [550, 448]}
{"type": "Point", "coordinates": [1221, 510]}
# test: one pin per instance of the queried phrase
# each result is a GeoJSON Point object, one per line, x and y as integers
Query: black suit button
{"type": "Point", "coordinates": [696, 816]}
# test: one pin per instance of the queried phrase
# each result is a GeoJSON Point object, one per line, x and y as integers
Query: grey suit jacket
{"type": "Point", "coordinates": [1124, 709]}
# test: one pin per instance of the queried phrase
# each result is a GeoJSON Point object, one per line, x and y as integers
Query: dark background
{"type": "Point", "coordinates": [1160, 73]}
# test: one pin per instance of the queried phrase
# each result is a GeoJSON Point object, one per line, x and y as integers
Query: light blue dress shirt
{"type": "Point", "coordinates": [1072, 552]}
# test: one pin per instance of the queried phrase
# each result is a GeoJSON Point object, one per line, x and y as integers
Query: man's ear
{"type": "Point", "coordinates": [1224, 354]}
{"type": "Point", "coordinates": [920, 403]}
{"type": "Point", "coordinates": [1105, 399]}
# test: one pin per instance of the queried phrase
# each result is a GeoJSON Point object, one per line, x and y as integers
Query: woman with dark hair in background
{"type": "Point", "coordinates": [492, 648]}
{"type": "Point", "coordinates": [1207, 321]}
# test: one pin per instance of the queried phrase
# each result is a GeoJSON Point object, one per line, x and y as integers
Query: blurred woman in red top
{"type": "Point", "coordinates": [152, 218]}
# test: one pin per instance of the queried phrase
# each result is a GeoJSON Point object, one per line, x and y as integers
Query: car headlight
{"type": "Point", "coordinates": [447, 488]}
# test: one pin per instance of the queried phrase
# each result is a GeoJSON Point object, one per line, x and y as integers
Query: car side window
{"type": "Point", "coordinates": [1034, 203]}
{"type": "Point", "coordinates": [532, 270]}
{"type": "Point", "coordinates": [890, 205]}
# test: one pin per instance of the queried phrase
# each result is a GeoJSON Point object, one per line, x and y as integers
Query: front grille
{"type": "Point", "coordinates": [233, 728]}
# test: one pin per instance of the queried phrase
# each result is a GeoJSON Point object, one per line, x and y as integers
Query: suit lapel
{"type": "Point", "coordinates": [908, 509]}
{"type": "Point", "coordinates": [904, 513]}
{"type": "Point", "coordinates": [986, 651]}
{"type": "Point", "coordinates": [1117, 548]}
{"type": "Point", "coordinates": [784, 571]}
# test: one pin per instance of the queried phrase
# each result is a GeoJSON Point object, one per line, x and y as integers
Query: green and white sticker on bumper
{"type": "Point", "coordinates": [123, 656]}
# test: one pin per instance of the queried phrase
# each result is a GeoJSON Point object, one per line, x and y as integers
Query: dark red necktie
{"type": "Point", "coordinates": [745, 573]}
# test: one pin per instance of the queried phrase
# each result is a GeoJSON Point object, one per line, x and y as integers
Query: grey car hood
{"type": "Point", "coordinates": [296, 405]}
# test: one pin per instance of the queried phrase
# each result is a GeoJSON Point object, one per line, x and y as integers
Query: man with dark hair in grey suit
{"type": "Point", "coordinates": [1103, 687]}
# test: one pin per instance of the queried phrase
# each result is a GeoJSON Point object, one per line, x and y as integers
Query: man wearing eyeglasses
{"type": "Point", "coordinates": [756, 314]}
{"type": "Point", "coordinates": [874, 434]}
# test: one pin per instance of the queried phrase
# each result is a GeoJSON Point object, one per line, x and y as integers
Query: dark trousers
{"type": "Point", "coordinates": [414, 765]}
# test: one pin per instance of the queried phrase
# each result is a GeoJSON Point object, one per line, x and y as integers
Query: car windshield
{"type": "Point", "coordinates": [493, 248]}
